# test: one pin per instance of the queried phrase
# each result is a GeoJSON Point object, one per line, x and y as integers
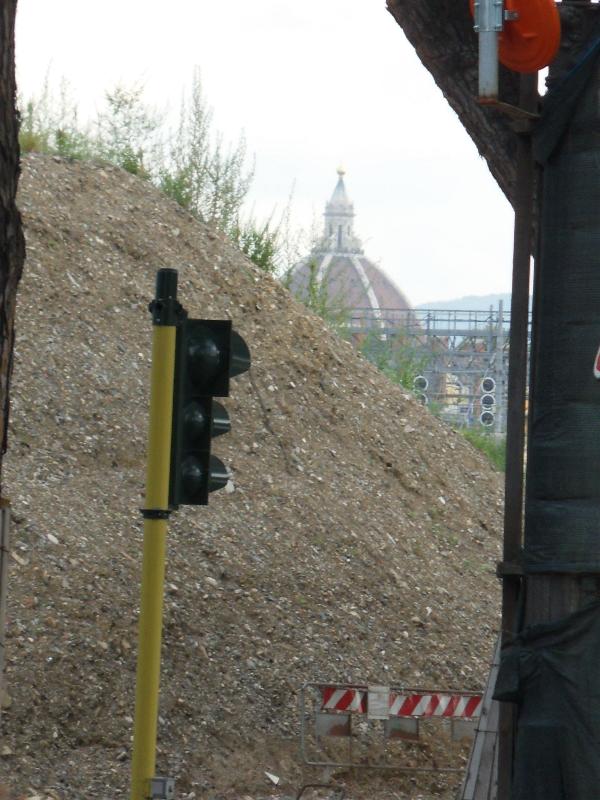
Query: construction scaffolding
{"type": "Point", "coordinates": [459, 358]}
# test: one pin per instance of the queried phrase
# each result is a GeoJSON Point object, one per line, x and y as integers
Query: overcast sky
{"type": "Point", "coordinates": [312, 84]}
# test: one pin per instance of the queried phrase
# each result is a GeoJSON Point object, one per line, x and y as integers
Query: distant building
{"type": "Point", "coordinates": [454, 361]}
{"type": "Point", "coordinates": [348, 279]}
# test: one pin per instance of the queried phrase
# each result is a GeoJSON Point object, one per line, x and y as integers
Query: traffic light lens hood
{"type": "Point", "coordinates": [219, 474]}
{"type": "Point", "coordinates": [240, 355]}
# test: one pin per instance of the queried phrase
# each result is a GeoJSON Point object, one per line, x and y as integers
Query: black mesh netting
{"type": "Point", "coordinates": [562, 515]}
{"type": "Point", "coordinates": [551, 671]}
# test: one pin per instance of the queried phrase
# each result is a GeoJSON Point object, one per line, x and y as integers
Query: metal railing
{"type": "Point", "coordinates": [454, 349]}
{"type": "Point", "coordinates": [367, 718]}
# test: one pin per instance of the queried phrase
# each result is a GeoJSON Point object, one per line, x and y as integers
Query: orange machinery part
{"type": "Point", "coordinates": [530, 41]}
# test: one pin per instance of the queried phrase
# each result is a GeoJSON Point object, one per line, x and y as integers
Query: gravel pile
{"type": "Point", "coordinates": [359, 542]}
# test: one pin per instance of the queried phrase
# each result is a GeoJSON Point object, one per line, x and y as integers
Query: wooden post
{"type": "Point", "coordinates": [515, 417]}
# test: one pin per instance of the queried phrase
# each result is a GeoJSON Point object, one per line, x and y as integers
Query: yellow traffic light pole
{"type": "Point", "coordinates": [164, 311]}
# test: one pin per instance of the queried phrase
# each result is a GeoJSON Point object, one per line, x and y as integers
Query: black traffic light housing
{"type": "Point", "coordinates": [208, 353]}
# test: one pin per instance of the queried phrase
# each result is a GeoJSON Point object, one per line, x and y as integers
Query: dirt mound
{"type": "Point", "coordinates": [359, 543]}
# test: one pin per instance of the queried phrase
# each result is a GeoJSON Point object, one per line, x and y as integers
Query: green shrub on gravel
{"type": "Point", "coordinates": [491, 446]}
{"type": "Point", "coordinates": [190, 163]}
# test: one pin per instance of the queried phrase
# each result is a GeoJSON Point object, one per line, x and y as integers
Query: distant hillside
{"type": "Point", "coordinates": [471, 302]}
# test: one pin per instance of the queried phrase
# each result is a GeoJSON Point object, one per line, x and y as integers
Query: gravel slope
{"type": "Point", "coordinates": [359, 543]}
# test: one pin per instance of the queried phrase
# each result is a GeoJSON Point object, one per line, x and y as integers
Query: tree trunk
{"type": "Point", "coordinates": [12, 244]}
{"type": "Point", "coordinates": [12, 256]}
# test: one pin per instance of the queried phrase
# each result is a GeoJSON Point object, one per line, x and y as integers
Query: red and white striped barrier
{"type": "Point", "coordinates": [335, 699]}
{"type": "Point", "coordinates": [418, 705]}
{"type": "Point", "coordinates": [449, 706]}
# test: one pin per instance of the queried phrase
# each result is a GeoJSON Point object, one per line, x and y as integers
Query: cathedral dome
{"type": "Point", "coordinates": [338, 269]}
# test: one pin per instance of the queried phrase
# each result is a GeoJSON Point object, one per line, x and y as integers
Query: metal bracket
{"type": "Point", "coordinates": [162, 788]}
{"type": "Point", "coordinates": [507, 569]}
{"type": "Point", "coordinates": [378, 703]}
{"type": "Point", "coordinates": [522, 121]}
{"type": "Point", "coordinates": [155, 513]}
{"type": "Point", "coordinates": [165, 308]}
{"type": "Point", "coordinates": [489, 15]}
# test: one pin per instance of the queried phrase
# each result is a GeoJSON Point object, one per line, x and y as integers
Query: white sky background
{"type": "Point", "coordinates": [312, 84]}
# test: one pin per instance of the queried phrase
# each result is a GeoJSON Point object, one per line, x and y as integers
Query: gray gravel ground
{"type": "Point", "coordinates": [358, 544]}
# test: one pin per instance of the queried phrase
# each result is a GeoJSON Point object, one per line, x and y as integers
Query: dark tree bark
{"type": "Point", "coordinates": [12, 244]}
{"type": "Point", "coordinates": [441, 31]}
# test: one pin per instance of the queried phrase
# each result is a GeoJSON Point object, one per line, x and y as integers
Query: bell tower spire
{"type": "Point", "coordinates": [338, 234]}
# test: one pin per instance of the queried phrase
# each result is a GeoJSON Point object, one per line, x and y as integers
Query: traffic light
{"type": "Point", "coordinates": [488, 401]}
{"type": "Point", "coordinates": [420, 386]}
{"type": "Point", "coordinates": [487, 385]}
{"type": "Point", "coordinates": [208, 353]}
{"type": "Point", "coordinates": [486, 418]}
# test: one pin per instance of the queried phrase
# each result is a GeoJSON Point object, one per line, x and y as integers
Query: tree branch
{"type": "Point", "coordinates": [441, 31]}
